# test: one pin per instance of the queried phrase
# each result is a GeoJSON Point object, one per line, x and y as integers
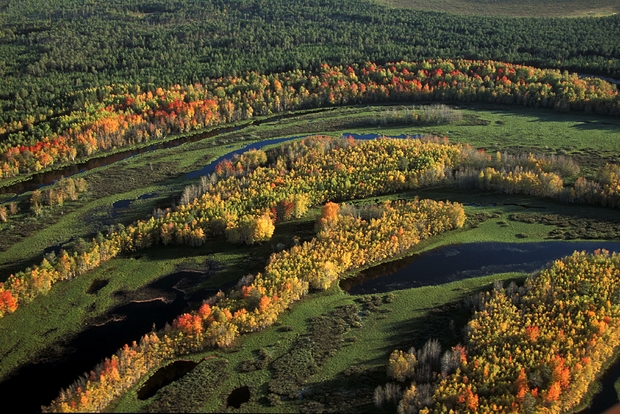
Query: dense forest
{"type": "Point", "coordinates": [127, 116]}
{"type": "Point", "coordinates": [346, 240]}
{"type": "Point", "coordinates": [243, 199]}
{"type": "Point", "coordinates": [83, 79]}
{"type": "Point", "coordinates": [52, 54]}
{"type": "Point", "coordinates": [245, 196]}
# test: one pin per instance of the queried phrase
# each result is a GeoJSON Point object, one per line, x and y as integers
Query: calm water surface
{"type": "Point", "coordinates": [455, 262]}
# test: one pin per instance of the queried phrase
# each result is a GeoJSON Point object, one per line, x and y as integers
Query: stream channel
{"type": "Point", "coordinates": [61, 363]}
{"type": "Point", "coordinates": [455, 262]}
{"type": "Point", "coordinates": [55, 370]}
{"type": "Point", "coordinates": [49, 177]}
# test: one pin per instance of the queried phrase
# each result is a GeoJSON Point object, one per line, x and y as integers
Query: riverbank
{"type": "Point", "coordinates": [232, 263]}
{"type": "Point", "coordinates": [167, 171]}
{"type": "Point", "coordinates": [163, 172]}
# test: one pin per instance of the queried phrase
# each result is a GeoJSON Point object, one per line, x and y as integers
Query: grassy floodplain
{"type": "Point", "coordinates": [592, 140]}
{"type": "Point", "coordinates": [412, 316]}
{"type": "Point", "coordinates": [163, 173]}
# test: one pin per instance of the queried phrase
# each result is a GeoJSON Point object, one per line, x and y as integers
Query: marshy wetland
{"type": "Point", "coordinates": [105, 298]}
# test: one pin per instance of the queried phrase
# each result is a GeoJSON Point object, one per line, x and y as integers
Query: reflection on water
{"type": "Point", "coordinates": [49, 177]}
{"type": "Point", "coordinates": [456, 262]}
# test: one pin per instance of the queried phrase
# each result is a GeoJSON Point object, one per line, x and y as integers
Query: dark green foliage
{"type": "Point", "coordinates": [53, 53]}
{"type": "Point", "coordinates": [389, 298]}
{"type": "Point", "coordinates": [192, 390]}
{"type": "Point", "coordinates": [475, 219]}
{"type": "Point", "coordinates": [293, 369]}
{"type": "Point", "coordinates": [347, 313]}
{"type": "Point", "coordinates": [354, 370]}
{"type": "Point", "coordinates": [376, 299]}
{"type": "Point", "coordinates": [274, 399]}
{"type": "Point", "coordinates": [310, 352]}
{"type": "Point", "coordinates": [260, 361]}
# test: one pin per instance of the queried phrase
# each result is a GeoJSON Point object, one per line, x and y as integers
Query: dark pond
{"type": "Point", "coordinates": [64, 362]}
{"type": "Point", "coordinates": [164, 376]}
{"type": "Point", "coordinates": [239, 396]}
{"type": "Point", "coordinates": [97, 285]}
{"type": "Point", "coordinates": [461, 261]}
{"type": "Point", "coordinates": [126, 203]}
{"type": "Point", "coordinates": [118, 205]}
{"type": "Point", "coordinates": [58, 247]}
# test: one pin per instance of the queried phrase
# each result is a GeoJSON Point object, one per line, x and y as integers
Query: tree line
{"type": "Point", "coordinates": [535, 348]}
{"type": "Point", "coordinates": [55, 52]}
{"type": "Point", "coordinates": [241, 202]}
{"type": "Point", "coordinates": [344, 243]}
{"type": "Point", "coordinates": [127, 115]}
{"type": "Point", "coordinates": [244, 197]}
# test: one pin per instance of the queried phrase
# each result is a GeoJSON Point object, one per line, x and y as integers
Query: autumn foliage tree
{"type": "Point", "coordinates": [127, 116]}
{"type": "Point", "coordinates": [537, 348]}
{"type": "Point", "coordinates": [348, 244]}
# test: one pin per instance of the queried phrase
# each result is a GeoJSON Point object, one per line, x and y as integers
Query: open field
{"type": "Point", "coordinates": [409, 320]}
{"type": "Point", "coordinates": [346, 276]}
{"type": "Point", "coordinates": [513, 8]}
{"type": "Point", "coordinates": [40, 330]}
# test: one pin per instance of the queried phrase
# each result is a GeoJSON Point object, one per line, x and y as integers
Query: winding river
{"type": "Point", "coordinates": [54, 371]}
{"type": "Point", "coordinates": [63, 362]}
{"type": "Point", "coordinates": [49, 177]}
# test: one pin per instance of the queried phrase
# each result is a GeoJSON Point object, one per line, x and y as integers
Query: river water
{"type": "Point", "coordinates": [49, 177]}
{"type": "Point", "coordinates": [456, 262]}
{"type": "Point", "coordinates": [462, 261]}
{"type": "Point", "coordinates": [129, 322]}
{"type": "Point", "coordinates": [57, 369]}
{"type": "Point", "coordinates": [76, 355]}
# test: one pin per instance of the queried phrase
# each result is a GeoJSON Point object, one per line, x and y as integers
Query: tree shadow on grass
{"type": "Point", "coordinates": [344, 393]}
{"type": "Point", "coordinates": [445, 323]}
{"type": "Point", "coordinates": [609, 125]}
